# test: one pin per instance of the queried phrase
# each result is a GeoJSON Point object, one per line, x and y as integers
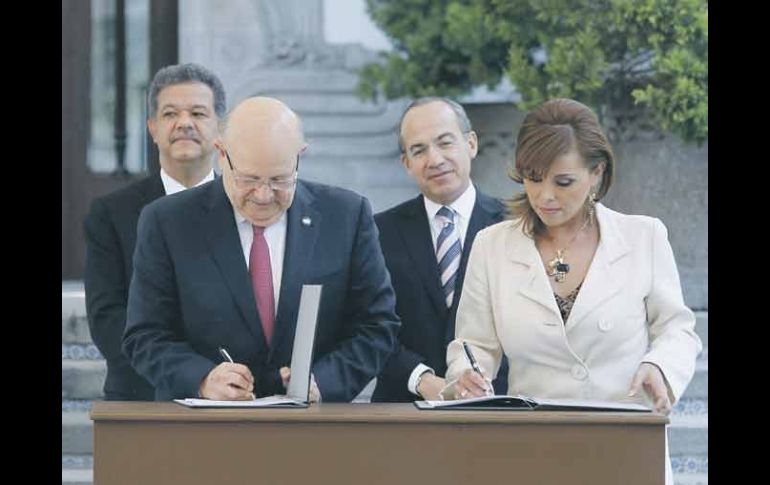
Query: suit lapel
{"type": "Point", "coordinates": [486, 211]}
{"type": "Point", "coordinates": [604, 278]}
{"type": "Point", "coordinates": [222, 237]}
{"type": "Point", "coordinates": [303, 225]}
{"type": "Point", "coordinates": [153, 189]}
{"type": "Point", "coordinates": [417, 239]}
{"type": "Point", "coordinates": [146, 191]}
{"type": "Point", "coordinates": [521, 249]}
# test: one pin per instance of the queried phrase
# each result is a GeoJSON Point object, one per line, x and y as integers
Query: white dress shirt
{"type": "Point", "coordinates": [463, 208]}
{"type": "Point", "coordinates": [172, 186]}
{"type": "Point", "coordinates": [275, 235]}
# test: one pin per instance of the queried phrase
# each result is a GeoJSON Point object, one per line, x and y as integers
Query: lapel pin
{"type": "Point", "coordinates": [306, 221]}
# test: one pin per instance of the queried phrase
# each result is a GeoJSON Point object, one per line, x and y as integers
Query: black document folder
{"type": "Point", "coordinates": [524, 403]}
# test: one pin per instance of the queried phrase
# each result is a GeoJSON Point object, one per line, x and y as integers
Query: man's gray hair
{"type": "Point", "coordinates": [462, 118]}
{"type": "Point", "coordinates": [182, 74]}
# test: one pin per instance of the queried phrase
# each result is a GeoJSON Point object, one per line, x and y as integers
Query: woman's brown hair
{"type": "Point", "coordinates": [548, 132]}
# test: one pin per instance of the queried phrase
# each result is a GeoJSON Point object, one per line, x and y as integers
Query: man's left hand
{"type": "Point", "coordinates": [315, 394]}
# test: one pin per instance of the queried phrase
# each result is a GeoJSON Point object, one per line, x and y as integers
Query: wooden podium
{"type": "Point", "coordinates": [390, 444]}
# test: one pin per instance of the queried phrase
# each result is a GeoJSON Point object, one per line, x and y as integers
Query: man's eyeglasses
{"type": "Point", "coordinates": [244, 182]}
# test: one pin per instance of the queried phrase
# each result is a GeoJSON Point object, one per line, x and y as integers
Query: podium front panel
{"type": "Point", "coordinates": [165, 443]}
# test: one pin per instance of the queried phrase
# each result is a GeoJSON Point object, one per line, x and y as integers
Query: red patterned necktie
{"type": "Point", "coordinates": [262, 281]}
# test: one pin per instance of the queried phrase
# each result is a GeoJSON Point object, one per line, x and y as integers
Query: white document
{"type": "Point", "coordinates": [298, 392]}
{"type": "Point", "coordinates": [263, 402]}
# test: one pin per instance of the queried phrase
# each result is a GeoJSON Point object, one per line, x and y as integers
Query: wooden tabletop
{"type": "Point", "coordinates": [357, 413]}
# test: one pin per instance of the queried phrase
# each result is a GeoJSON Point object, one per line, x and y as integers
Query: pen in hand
{"type": "Point", "coordinates": [476, 367]}
{"type": "Point", "coordinates": [225, 355]}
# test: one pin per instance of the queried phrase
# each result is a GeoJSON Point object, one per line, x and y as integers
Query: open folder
{"type": "Point", "coordinates": [298, 392]}
{"type": "Point", "coordinates": [524, 403]}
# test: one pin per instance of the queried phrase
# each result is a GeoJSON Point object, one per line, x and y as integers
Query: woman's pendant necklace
{"type": "Point", "coordinates": [557, 267]}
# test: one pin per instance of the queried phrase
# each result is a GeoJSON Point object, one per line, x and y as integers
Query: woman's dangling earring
{"type": "Point", "coordinates": [591, 205]}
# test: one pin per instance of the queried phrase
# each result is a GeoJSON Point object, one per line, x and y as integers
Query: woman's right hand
{"type": "Point", "coordinates": [472, 384]}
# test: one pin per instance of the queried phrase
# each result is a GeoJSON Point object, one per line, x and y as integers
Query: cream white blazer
{"type": "Point", "coordinates": [629, 310]}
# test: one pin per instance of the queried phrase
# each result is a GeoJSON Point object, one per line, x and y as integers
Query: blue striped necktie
{"type": "Point", "coordinates": [448, 252]}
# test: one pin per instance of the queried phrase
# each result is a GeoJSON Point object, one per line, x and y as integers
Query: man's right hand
{"type": "Point", "coordinates": [430, 386]}
{"type": "Point", "coordinates": [228, 382]}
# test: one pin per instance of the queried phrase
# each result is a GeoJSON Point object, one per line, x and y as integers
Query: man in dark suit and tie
{"type": "Point", "coordinates": [185, 103]}
{"type": "Point", "coordinates": [223, 265]}
{"type": "Point", "coordinates": [426, 242]}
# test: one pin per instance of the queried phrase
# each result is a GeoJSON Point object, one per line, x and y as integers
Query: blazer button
{"type": "Point", "coordinates": [579, 372]}
{"type": "Point", "coordinates": [605, 325]}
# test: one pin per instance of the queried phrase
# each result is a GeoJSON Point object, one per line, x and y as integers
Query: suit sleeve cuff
{"type": "Point", "coordinates": [414, 377]}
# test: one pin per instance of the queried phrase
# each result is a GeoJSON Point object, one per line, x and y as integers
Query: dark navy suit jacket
{"type": "Point", "coordinates": [110, 233]}
{"type": "Point", "coordinates": [427, 324]}
{"type": "Point", "coordinates": [191, 293]}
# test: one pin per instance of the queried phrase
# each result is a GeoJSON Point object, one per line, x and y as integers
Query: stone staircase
{"type": "Point", "coordinates": [689, 430]}
{"type": "Point", "coordinates": [83, 371]}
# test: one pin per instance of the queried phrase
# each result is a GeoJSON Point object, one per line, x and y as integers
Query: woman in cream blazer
{"type": "Point", "coordinates": [620, 330]}
{"type": "Point", "coordinates": [629, 310]}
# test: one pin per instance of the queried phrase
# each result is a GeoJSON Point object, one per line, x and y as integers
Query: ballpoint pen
{"type": "Point", "coordinates": [225, 355]}
{"type": "Point", "coordinates": [475, 364]}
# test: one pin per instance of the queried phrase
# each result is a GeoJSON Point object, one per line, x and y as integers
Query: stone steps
{"type": "Point", "coordinates": [688, 407]}
{"type": "Point", "coordinates": [699, 385]}
{"type": "Point", "coordinates": [689, 439]}
{"type": "Point", "coordinates": [79, 462]}
{"type": "Point", "coordinates": [77, 469]}
{"type": "Point", "coordinates": [80, 351]}
{"type": "Point", "coordinates": [77, 476]}
{"type": "Point", "coordinates": [691, 479]}
{"type": "Point", "coordinates": [74, 328]}
{"type": "Point", "coordinates": [689, 465]}
{"type": "Point", "coordinates": [83, 379]}
{"type": "Point", "coordinates": [76, 433]}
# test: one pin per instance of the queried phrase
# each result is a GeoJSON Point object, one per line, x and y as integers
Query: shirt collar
{"type": "Point", "coordinates": [172, 186]}
{"type": "Point", "coordinates": [462, 205]}
{"type": "Point", "coordinates": [242, 220]}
